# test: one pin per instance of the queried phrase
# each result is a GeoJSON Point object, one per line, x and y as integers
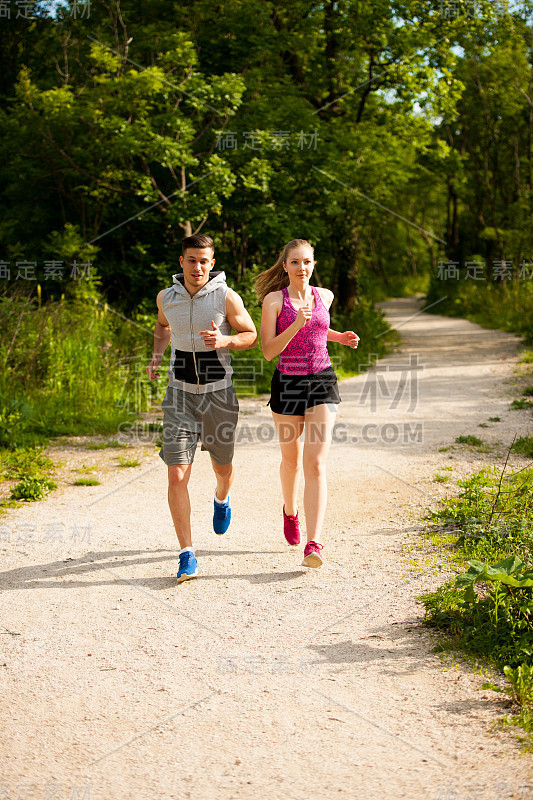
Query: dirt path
{"type": "Point", "coordinates": [260, 679]}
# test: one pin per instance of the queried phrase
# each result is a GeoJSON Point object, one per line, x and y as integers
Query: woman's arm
{"type": "Point", "coordinates": [271, 344]}
{"type": "Point", "coordinates": [333, 336]}
{"type": "Point", "coordinates": [348, 338]}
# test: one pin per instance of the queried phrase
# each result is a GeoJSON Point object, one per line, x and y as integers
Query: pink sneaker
{"type": "Point", "coordinates": [291, 528]}
{"type": "Point", "coordinates": [312, 557]}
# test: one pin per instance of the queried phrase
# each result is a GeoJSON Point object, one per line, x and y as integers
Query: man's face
{"type": "Point", "coordinates": [196, 264]}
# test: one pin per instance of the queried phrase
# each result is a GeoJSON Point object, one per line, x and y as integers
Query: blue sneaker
{"type": "Point", "coordinates": [221, 516]}
{"type": "Point", "coordinates": [188, 566]}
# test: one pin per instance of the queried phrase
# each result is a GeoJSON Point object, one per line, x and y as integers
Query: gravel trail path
{"type": "Point", "coordinates": [261, 679]}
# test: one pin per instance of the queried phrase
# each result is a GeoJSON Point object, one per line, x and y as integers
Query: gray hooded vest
{"type": "Point", "coordinates": [193, 366]}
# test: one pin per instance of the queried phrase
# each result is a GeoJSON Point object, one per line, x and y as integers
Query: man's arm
{"type": "Point", "coordinates": [240, 321]}
{"type": "Point", "coordinates": [161, 340]}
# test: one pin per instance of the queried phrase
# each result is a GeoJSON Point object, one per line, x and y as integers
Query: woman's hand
{"type": "Point", "coordinates": [304, 315]}
{"type": "Point", "coordinates": [350, 339]}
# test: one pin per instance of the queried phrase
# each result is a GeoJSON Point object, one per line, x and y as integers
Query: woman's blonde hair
{"type": "Point", "coordinates": [275, 278]}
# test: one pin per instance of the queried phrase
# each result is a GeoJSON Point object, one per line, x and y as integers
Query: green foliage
{"type": "Point", "coordinates": [137, 123]}
{"type": "Point", "coordinates": [32, 487]}
{"type": "Point", "coordinates": [492, 514]}
{"type": "Point", "coordinates": [521, 683]}
{"type": "Point", "coordinates": [487, 610]}
{"type": "Point", "coordinates": [19, 463]}
{"type": "Point", "coordinates": [69, 367]}
{"type": "Point", "coordinates": [522, 403]}
{"type": "Point", "coordinates": [508, 572]}
{"type": "Point", "coordinates": [32, 468]}
{"type": "Point", "coordinates": [128, 110]}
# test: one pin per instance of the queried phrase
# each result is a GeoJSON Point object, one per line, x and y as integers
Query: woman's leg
{"type": "Point", "coordinates": [319, 422]}
{"type": "Point", "coordinates": [289, 430]}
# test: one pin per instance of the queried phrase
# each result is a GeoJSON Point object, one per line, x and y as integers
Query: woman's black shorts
{"type": "Point", "coordinates": [294, 394]}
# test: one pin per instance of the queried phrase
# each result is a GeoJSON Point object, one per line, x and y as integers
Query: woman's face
{"type": "Point", "coordinates": [300, 263]}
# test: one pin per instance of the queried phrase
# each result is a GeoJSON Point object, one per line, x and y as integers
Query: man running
{"type": "Point", "coordinates": [197, 314]}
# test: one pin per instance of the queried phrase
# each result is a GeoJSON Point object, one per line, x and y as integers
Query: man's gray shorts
{"type": "Point", "coordinates": [189, 418]}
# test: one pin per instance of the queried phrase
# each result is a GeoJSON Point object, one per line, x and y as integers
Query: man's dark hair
{"type": "Point", "coordinates": [198, 240]}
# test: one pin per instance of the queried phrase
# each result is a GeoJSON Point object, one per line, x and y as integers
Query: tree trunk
{"type": "Point", "coordinates": [348, 271]}
{"type": "Point", "coordinates": [187, 227]}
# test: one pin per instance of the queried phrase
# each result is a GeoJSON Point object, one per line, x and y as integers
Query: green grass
{"type": "Point", "coordinates": [128, 462]}
{"type": "Point", "coordinates": [5, 504]}
{"type": "Point", "coordinates": [472, 440]}
{"type": "Point", "coordinates": [495, 419]}
{"type": "Point", "coordinates": [21, 462]}
{"type": "Point", "coordinates": [524, 446]}
{"type": "Point", "coordinates": [438, 478]}
{"type": "Point", "coordinates": [104, 445]}
{"type": "Point", "coordinates": [83, 469]}
{"type": "Point", "coordinates": [86, 482]}
{"type": "Point", "coordinates": [488, 528]}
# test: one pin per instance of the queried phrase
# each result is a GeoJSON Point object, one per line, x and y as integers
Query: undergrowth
{"type": "Point", "coordinates": [486, 611]}
{"type": "Point", "coordinates": [32, 471]}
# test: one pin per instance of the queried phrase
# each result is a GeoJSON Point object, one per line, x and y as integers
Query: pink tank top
{"type": "Point", "coordinates": [307, 352]}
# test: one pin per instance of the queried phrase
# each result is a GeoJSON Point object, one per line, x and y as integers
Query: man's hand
{"type": "Point", "coordinates": [350, 339]}
{"type": "Point", "coordinates": [153, 366]}
{"type": "Point", "coordinates": [215, 339]}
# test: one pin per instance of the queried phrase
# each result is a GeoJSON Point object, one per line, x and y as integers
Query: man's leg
{"type": "Point", "coordinates": [179, 501]}
{"type": "Point", "coordinates": [224, 474]}
{"type": "Point", "coordinates": [222, 510]}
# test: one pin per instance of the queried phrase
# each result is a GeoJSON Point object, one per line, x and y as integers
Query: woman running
{"type": "Point", "coordinates": [304, 392]}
